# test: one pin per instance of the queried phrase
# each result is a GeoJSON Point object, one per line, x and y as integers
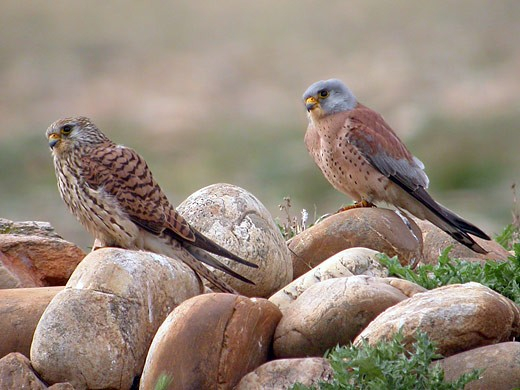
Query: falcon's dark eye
{"type": "Point", "coordinates": [323, 93]}
{"type": "Point", "coordinates": [66, 129]}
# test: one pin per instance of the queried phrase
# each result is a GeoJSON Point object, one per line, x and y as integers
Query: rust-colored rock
{"type": "Point", "coordinates": [237, 220]}
{"type": "Point", "coordinates": [500, 364]}
{"type": "Point", "coordinates": [20, 311]}
{"type": "Point", "coordinates": [457, 318]}
{"type": "Point", "coordinates": [16, 373]}
{"type": "Point", "coordinates": [97, 331]}
{"type": "Point", "coordinates": [435, 241]}
{"type": "Point", "coordinates": [36, 260]}
{"type": "Point", "coordinates": [284, 373]}
{"type": "Point", "coordinates": [210, 342]}
{"type": "Point", "coordinates": [379, 229]}
{"type": "Point", "coordinates": [332, 312]}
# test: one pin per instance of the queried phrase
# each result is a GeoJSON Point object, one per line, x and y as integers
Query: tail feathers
{"type": "Point", "coordinates": [447, 220]}
{"type": "Point", "coordinates": [205, 243]}
{"type": "Point", "coordinates": [458, 228]}
{"type": "Point", "coordinates": [195, 264]}
{"type": "Point", "coordinates": [463, 225]}
{"type": "Point", "coordinates": [211, 261]}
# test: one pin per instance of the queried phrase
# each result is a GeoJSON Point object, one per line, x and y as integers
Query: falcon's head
{"type": "Point", "coordinates": [328, 97]}
{"type": "Point", "coordinates": [66, 134]}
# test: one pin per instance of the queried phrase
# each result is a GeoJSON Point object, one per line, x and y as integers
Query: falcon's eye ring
{"type": "Point", "coordinates": [323, 93]}
{"type": "Point", "coordinates": [66, 129]}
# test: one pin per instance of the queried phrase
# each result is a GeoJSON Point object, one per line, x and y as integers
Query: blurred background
{"type": "Point", "coordinates": [211, 92]}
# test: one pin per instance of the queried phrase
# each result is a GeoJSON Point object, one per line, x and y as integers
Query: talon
{"type": "Point", "coordinates": [356, 205]}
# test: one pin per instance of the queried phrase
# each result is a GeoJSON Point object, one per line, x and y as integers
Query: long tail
{"type": "Point", "coordinates": [450, 222]}
{"type": "Point", "coordinates": [206, 258]}
{"type": "Point", "coordinates": [205, 243]}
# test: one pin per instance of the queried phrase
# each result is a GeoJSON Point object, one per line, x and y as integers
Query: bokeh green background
{"type": "Point", "coordinates": [210, 92]}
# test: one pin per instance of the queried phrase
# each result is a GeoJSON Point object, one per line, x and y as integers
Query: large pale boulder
{"type": "Point", "coordinates": [379, 229]}
{"type": "Point", "coordinates": [20, 311]}
{"type": "Point", "coordinates": [457, 318]}
{"type": "Point", "coordinates": [210, 342]}
{"type": "Point", "coordinates": [238, 221]}
{"type": "Point", "coordinates": [332, 312]}
{"type": "Point", "coordinates": [97, 331]}
{"type": "Point", "coordinates": [282, 374]}
{"type": "Point", "coordinates": [350, 262]}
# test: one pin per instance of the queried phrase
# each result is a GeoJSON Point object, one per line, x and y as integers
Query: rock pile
{"type": "Point", "coordinates": [124, 319]}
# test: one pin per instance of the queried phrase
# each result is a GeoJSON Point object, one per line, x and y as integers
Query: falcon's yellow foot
{"type": "Point", "coordinates": [356, 205]}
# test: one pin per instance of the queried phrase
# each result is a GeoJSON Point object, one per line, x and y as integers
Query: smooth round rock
{"type": "Point", "coordinates": [210, 342]}
{"type": "Point", "coordinates": [353, 261]}
{"type": "Point", "coordinates": [239, 222]}
{"type": "Point", "coordinates": [96, 332]}
{"type": "Point", "coordinates": [332, 312]}
{"type": "Point", "coordinates": [379, 229]}
{"type": "Point", "coordinates": [457, 318]}
{"type": "Point", "coordinates": [20, 311]}
{"type": "Point", "coordinates": [500, 365]}
{"type": "Point", "coordinates": [284, 373]}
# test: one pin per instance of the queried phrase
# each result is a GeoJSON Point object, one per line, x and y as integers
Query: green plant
{"type": "Point", "coordinates": [389, 365]}
{"type": "Point", "coordinates": [163, 382]}
{"type": "Point", "coordinates": [502, 277]}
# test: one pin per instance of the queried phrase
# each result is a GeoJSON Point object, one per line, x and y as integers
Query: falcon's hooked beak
{"type": "Point", "coordinates": [311, 103]}
{"type": "Point", "coordinates": [53, 139]}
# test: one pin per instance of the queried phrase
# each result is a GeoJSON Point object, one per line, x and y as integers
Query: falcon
{"type": "Point", "coordinates": [111, 191]}
{"type": "Point", "coordinates": [361, 156]}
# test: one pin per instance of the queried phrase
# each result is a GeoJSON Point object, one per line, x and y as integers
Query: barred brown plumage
{"type": "Point", "coordinates": [111, 191]}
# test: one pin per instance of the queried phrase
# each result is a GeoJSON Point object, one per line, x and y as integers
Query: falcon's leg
{"type": "Point", "coordinates": [356, 205]}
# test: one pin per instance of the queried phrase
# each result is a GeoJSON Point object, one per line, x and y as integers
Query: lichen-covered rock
{"type": "Point", "coordinates": [353, 261]}
{"type": "Point", "coordinates": [500, 365]}
{"type": "Point", "coordinates": [33, 255]}
{"type": "Point", "coordinates": [332, 312]}
{"type": "Point", "coordinates": [457, 318]}
{"type": "Point", "coordinates": [379, 229]}
{"type": "Point", "coordinates": [282, 374]}
{"type": "Point", "coordinates": [20, 311]}
{"type": "Point", "coordinates": [238, 221]}
{"type": "Point", "coordinates": [97, 331]}
{"type": "Point", "coordinates": [210, 342]}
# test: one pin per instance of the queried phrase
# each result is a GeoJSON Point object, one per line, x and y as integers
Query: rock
{"type": "Point", "coordinates": [379, 229]}
{"type": "Point", "coordinates": [210, 342]}
{"type": "Point", "coordinates": [284, 373]}
{"type": "Point", "coordinates": [353, 261]}
{"type": "Point", "coordinates": [16, 373]}
{"type": "Point", "coordinates": [500, 364]}
{"type": "Point", "coordinates": [97, 331]}
{"type": "Point", "coordinates": [238, 221]}
{"type": "Point", "coordinates": [436, 241]}
{"type": "Point", "coordinates": [457, 318]}
{"type": "Point", "coordinates": [406, 287]}
{"type": "Point", "coordinates": [332, 312]}
{"type": "Point", "coordinates": [20, 311]}
{"type": "Point", "coordinates": [36, 260]}
{"type": "Point", "coordinates": [28, 228]}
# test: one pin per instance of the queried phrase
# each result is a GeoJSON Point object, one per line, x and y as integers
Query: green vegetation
{"type": "Point", "coordinates": [163, 382]}
{"type": "Point", "coordinates": [389, 366]}
{"type": "Point", "coordinates": [502, 277]}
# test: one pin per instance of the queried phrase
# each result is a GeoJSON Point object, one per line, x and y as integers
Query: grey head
{"type": "Point", "coordinates": [330, 96]}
